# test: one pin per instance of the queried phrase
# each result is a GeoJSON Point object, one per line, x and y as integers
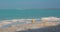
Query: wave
{"type": "Point", "coordinates": [50, 18]}
{"type": "Point", "coordinates": [26, 21]}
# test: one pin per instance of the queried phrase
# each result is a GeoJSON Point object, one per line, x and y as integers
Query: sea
{"type": "Point", "coordinates": [6, 14]}
{"type": "Point", "coordinates": [9, 14]}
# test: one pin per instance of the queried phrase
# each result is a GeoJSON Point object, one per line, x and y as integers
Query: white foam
{"type": "Point", "coordinates": [50, 19]}
{"type": "Point", "coordinates": [4, 22]}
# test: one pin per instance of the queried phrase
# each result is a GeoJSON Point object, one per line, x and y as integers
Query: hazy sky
{"type": "Point", "coordinates": [12, 4]}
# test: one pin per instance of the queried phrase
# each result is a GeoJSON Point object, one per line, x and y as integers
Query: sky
{"type": "Point", "coordinates": [14, 4]}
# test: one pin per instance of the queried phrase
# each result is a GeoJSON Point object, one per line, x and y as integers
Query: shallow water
{"type": "Point", "coordinates": [27, 13]}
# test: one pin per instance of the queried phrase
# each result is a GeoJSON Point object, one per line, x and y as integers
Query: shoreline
{"type": "Point", "coordinates": [25, 24]}
{"type": "Point", "coordinates": [24, 27]}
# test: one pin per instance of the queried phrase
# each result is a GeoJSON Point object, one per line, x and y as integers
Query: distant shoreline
{"type": "Point", "coordinates": [39, 8]}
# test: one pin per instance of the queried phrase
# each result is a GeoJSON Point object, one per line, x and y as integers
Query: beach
{"type": "Point", "coordinates": [32, 25]}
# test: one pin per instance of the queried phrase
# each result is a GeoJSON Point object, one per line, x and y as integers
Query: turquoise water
{"type": "Point", "coordinates": [27, 13]}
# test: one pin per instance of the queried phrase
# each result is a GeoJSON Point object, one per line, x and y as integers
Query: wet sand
{"type": "Point", "coordinates": [24, 27]}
